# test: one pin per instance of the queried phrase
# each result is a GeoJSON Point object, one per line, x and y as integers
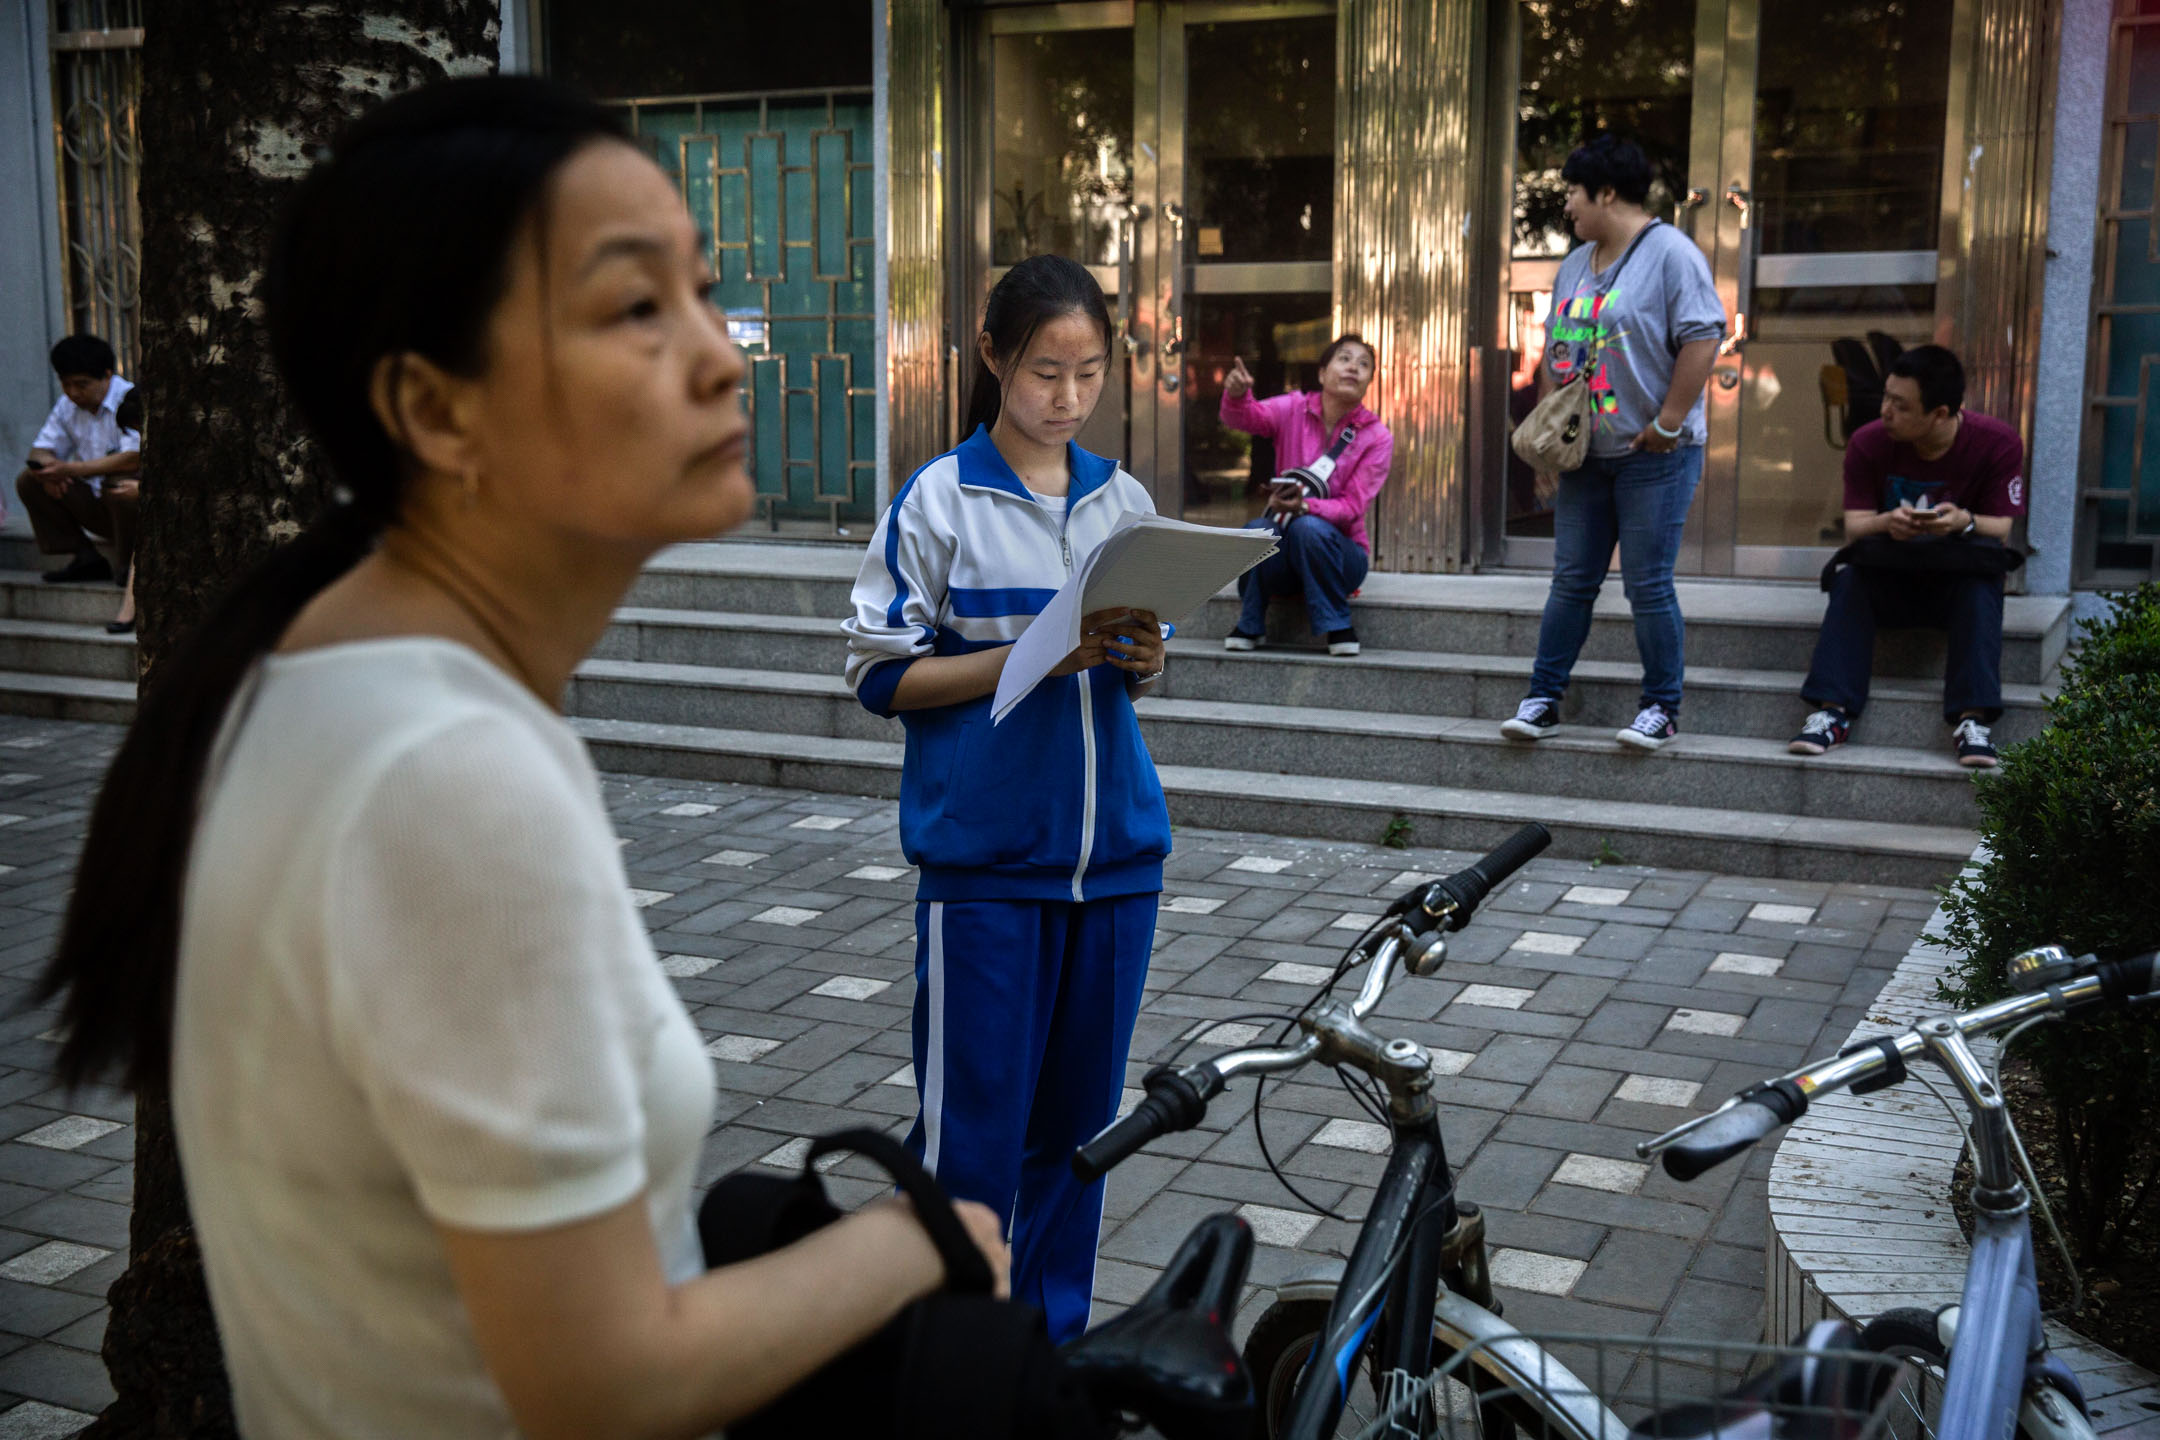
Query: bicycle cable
{"type": "Point", "coordinates": [2032, 1178]}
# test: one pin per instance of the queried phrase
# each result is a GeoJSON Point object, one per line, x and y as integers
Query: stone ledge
{"type": "Point", "coordinates": [1860, 1221]}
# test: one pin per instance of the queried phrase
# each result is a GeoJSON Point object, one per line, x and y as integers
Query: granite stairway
{"type": "Point", "coordinates": [725, 662]}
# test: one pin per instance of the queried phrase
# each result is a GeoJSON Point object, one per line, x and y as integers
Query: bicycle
{"type": "Point", "coordinates": [1416, 1292]}
{"type": "Point", "coordinates": [1988, 1354]}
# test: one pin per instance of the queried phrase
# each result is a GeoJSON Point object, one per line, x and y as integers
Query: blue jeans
{"type": "Point", "coordinates": [1968, 607]}
{"type": "Point", "coordinates": [1316, 560]}
{"type": "Point", "coordinates": [1641, 500]}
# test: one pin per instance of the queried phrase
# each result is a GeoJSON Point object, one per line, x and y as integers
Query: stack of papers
{"type": "Point", "coordinates": [1146, 563]}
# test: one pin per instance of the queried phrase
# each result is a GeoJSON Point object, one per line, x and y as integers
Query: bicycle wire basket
{"type": "Point", "coordinates": [1604, 1387]}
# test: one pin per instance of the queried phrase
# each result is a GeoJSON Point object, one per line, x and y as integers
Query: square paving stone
{"type": "Point", "coordinates": [57, 1375]}
{"type": "Point", "coordinates": [1636, 1270]}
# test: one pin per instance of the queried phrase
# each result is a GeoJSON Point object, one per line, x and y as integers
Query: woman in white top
{"type": "Point", "coordinates": [351, 890]}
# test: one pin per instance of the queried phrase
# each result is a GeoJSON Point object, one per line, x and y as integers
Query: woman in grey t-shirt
{"type": "Point", "coordinates": [1635, 304]}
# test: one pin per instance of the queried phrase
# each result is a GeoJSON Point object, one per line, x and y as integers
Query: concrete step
{"type": "Point", "coordinates": [1734, 841]}
{"type": "Point", "coordinates": [66, 697]}
{"type": "Point", "coordinates": [59, 647]}
{"type": "Point", "coordinates": [1875, 782]}
{"type": "Point", "coordinates": [18, 551]}
{"type": "Point", "coordinates": [23, 596]}
{"type": "Point", "coordinates": [1763, 704]}
{"type": "Point", "coordinates": [1733, 624]}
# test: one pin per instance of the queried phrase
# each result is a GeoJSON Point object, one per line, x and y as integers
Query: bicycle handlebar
{"type": "Point", "coordinates": [1755, 1113]}
{"type": "Point", "coordinates": [1451, 901]}
{"type": "Point", "coordinates": [1178, 1099]}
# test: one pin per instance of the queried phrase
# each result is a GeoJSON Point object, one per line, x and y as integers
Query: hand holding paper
{"type": "Point", "coordinates": [1165, 567]}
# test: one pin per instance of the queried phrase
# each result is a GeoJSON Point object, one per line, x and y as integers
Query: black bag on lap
{"type": "Point", "coordinates": [957, 1364]}
{"type": "Point", "coordinates": [1942, 554]}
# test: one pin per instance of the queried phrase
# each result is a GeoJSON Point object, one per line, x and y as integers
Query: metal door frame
{"type": "Point", "coordinates": [1721, 146]}
{"type": "Point", "coordinates": [1153, 269]}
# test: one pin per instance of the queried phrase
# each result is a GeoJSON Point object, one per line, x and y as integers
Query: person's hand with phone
{"type": "Point", "coordinates": [1286, 498]}
{"type": "Point", "coordinates": [1907, 521]}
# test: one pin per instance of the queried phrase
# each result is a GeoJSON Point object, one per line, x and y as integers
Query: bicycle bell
{"type": "Point", "coordinates": [2038, 968]}
{"type": "Point", "coordinates": [1424, 956]}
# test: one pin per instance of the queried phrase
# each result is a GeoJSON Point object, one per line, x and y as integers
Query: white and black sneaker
{"type": "Point", "coordinates": [1824, 731]}
{"type": "Point", "coordinates": [1975, 748]}
{"type": "Point", "coordinates": [1534, 719]}
{"type": "Point", "coordinates": [1239, 640]}
{"type": "Point", "coordinates": [1650, 729]}
{"type": "Point", "coordinates": [1342, 642]}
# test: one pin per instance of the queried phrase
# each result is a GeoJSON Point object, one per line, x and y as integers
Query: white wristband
{"type": "Point", "coordinates": [1659, 426]}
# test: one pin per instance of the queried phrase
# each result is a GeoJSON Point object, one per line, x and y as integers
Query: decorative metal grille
{"type": "Point", "coordinates": [97, 79]}
{"type": "Point", "coordinates": [2119, 474]}
{"type": "Point", "coordinates": [780, 187]}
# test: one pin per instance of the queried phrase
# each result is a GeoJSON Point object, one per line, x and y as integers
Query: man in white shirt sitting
{"type": "Point", "coordinates": [82, 443]}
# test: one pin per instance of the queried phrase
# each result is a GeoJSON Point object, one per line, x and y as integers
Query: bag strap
{"type": "Point", "coordinates": [1605, 288]}
{"type": "Point", "coordinates": [966, 1271]}
{"type": "Point", "coordinates": [1342, 442]}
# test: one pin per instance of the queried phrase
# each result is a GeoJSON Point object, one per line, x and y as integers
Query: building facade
{"type": "Point", "coordinates": [1247, 178]}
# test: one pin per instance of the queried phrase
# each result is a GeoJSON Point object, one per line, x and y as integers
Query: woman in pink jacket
{"type": "Point", "coordinates": [1325, 551]}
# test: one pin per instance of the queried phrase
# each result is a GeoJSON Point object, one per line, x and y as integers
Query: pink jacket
{"type": "Point", "coordinates": [1293, 422]}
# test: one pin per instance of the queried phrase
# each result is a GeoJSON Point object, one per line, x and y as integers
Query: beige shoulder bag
{"type": "Point", "coordinates": [1556, 435]}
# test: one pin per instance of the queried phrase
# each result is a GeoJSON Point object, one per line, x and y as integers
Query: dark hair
{"type": "Point", "coordinates": [1035, 291]}
{"type": "Point", "coordinates": [399, 243]}
{"type": "Point", "coordinates": [1610, 162]}
{"type": "Point", "coordinates": [1938, 374]}
{"type": "Point", "coordinates": [84, 355]}
{"type": "Point", "coordinates": [1348, 337]}
{"type": "Point", "coordinates": [130, 409]}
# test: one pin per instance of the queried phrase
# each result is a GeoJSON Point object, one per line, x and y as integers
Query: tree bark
{"type": "Point", "coordinates": [239, 98]}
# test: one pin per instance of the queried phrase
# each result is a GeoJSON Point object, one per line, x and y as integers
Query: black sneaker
{"type": "Point", "coordinates": [1342, 642]}
{"type": "Point", "coordinates": [1824, 731]}
{"type": "Point", "coordinates": [1975, 750]}
{"type": "Point", "coordinates": [1534, 719]}
{"type": "Point", "coordinates": [1241, 640]}
{"type": "Point", "coordinates": [83, 567]}
{"type": "Point", "coordinates": [1651, 728]}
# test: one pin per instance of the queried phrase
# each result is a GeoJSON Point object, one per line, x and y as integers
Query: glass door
{"type": "Point", "coordinates": [1185, 153]}
{"type": "Point", "coordinates": [1802, 148]}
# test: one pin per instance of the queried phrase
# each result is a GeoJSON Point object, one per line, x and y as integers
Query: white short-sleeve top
{"type": "Point", "coordinates": [412, 989]}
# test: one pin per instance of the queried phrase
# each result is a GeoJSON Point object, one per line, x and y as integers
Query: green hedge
{"type": "Point", "coordinates": [2072, 825]}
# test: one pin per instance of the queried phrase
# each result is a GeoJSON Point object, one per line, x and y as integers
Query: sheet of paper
{"type": "Point", "coordinates": [1146, 563]}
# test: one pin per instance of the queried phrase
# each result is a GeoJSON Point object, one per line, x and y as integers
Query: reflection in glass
{"type": "Point", "coordinates": [1260, 140]}
{"type": "Point", "coordinates": [1280, 337]}
{"type": "Point", "coordinates": [1062, 165]}
{"type": "Point", "coordinates": [1595, 65]}
{"type": "Point", "coordinates": [1851, 100]}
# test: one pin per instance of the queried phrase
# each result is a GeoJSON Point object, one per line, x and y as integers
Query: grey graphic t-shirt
{"type": "Point", "coordinates": [1663, 300]}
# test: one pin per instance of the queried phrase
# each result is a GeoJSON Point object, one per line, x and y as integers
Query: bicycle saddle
{"type": "Point", "coordinates": [1821, 1390]}
{"type": "Point", "coordinates": [1169, 1359]}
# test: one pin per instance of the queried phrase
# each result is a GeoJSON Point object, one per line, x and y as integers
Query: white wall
{"type": "Point", "coordinates": [2073, 210]}
{"type": "Point", "coordinates": [32, 316]}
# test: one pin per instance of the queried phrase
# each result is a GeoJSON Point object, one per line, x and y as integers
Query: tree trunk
{"type": "Point", "coordinates": [239, 97]}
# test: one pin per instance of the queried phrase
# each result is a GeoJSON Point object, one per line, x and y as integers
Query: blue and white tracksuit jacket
{"type": "Point", "coordinates": [1040, 843]}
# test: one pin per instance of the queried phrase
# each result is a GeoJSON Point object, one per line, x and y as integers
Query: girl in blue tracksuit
{"type": "Point", "coordinates": [1040, 840]}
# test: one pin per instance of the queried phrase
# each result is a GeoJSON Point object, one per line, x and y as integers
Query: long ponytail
{"type": "Point", "coordinates": [399, 244]}
{"type": "Point", "coordinates": [1035, 291]}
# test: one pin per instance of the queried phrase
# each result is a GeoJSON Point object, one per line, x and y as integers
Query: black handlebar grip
{"type": "Point", "coordinates": [1736, 1130]}
{"type": "Point", "coordinates": [1458, 896]}
{"type": "Point", "coordinates": [1148, 1121]}
{"type": "Point", "coordinates": [1174, 1102]}
{"type": "Point", "coordinates": [1760, 1111]}
{"type": "Point", "coordinates": [2134, 979]}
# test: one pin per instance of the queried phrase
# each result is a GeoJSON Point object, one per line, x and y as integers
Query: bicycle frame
{"type": "Point", "coordinates": [2001, 1352]}
{"type": "Point", "coordinates": [1414, 1205]}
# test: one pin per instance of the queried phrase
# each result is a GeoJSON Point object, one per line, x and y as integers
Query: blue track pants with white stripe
{"type": "Point", "coordinates": [1023, 1013]}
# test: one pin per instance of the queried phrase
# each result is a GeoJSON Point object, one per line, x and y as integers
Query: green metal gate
{"type": "Point", "coordinates": [779, 185]}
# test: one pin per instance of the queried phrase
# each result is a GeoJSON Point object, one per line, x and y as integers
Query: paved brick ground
{"type": "Point", "coordinates": [1586, 1008]}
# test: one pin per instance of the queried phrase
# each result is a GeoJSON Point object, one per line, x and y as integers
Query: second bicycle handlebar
{"type": "Point", "coordinates": [1752, 1115]}
{"type": "Point", "coordinates": [1178, 1099]}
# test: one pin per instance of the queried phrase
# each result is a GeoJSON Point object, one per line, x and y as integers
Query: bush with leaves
{"type": "Point", "coordinates": [2072, 825]}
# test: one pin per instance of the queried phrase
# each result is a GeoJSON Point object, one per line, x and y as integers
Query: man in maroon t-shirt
{"type": "Point", "coordinates": [1930, 472]}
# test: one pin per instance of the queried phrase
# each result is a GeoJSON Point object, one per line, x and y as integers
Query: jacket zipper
{"type": "Point", "coordinates": [1087, 731]}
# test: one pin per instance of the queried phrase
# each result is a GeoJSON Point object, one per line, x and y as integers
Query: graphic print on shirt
{"type": "Point", "coordinates": [1581, 330]}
